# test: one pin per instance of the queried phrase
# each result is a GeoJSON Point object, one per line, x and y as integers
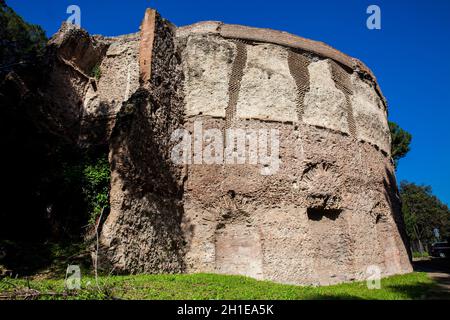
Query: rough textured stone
{"type": "Point", "coordinates": [71, 55]}
{"type": "Point", "coordinates": [268, 91]}
{"type": "Point", "coordinates": [322, 219]}
{"type": "Point", "coordinates": [329, 212]}
{"type": "Point", "coordinates": [85, 104]}
{"type": "Point", "coordinates": [118, 80]}
{"type": "Point", "coordinates": [370, 115]}
{"type": "Point", "coordinates": [207, 62]}
{"type": "Point", "coordinates": [324, 103]}
{"type": "Point", "coordinates": [143, 230]}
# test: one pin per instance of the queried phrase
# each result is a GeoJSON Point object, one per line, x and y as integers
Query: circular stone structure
{"type": "Point", "coordinates": [331, 209]}
{"type": "Point", "coordinates": [313, 202]}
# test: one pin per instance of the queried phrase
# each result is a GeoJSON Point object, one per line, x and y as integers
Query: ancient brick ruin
{"type": "Point", "coordinates": [330, 211]}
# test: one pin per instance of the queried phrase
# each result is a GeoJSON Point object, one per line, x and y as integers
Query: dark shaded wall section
{"type": "Point", "coordinates": [143, 231]}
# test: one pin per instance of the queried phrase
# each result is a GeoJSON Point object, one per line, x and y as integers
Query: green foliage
{"type": "Point", "coordinates": [401, 140]}
{"type": "Point", "coordinates": [19, 41]}
{"type": "Point", "coordinates": [96, 72]}
{"type": "Point", "coordinates": [212, 286]}
{"type": "Point", "coordinates": [96, 187]}
{"type": "Point", "coordinates": [92, 176]}
{"type": "Point", "coordinates": [416, 254]}
{"type": "Point", "coordinates": [422, 212]}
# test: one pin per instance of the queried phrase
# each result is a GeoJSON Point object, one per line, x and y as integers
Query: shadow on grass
{"type": "Point", "coordinates": [415, 291]}
{"type": "Point", "coordinates": [432, 265]}
{"type": "Point", "coordinates": [25, 259]}
{"type": "Point", "coordinates": [439, 271]}
{"type": "Point", "coordinates": [335, 297]}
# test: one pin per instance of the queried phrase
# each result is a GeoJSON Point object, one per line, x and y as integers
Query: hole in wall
{"type": "Point", "coordinates": [378, 219]}
{"type": "Point", "coordinates": [317, 214]}
{"type": "Point", "coordinates": [232, 194]}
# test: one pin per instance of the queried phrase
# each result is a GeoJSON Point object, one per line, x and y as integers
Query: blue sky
{"type": "Point", "coordinates": [410, 55]}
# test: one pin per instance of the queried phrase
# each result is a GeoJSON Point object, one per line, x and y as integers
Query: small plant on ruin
{"type": "Point", "coordinates": [96, 72]}
{"type": "Point", "coordinates": [96, 187]}
{"type": "Point", "coordinates": [91, 175]}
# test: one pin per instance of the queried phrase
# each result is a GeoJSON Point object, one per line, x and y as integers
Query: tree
{"type": "Point", "coordinates": [423, 212]}
{"type": "Point", "coordinates": [20, 42]}
{"type": "Point", "coordinates": [401, 140]}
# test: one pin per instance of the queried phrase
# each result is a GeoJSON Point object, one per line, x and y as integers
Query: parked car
{"type": "Point", "coordinates": [440, 249]}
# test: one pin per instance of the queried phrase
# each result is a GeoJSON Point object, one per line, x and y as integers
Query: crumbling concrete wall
{"type": "Point", "coordinates": [329, 211]}
{"type": "Point", "coordinates": [332, 208]}
{"type": "Point", "coordinates": [143, 230]}
{"type": "Point", "coordinates": [89, 78]}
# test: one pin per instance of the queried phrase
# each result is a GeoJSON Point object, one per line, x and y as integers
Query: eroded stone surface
{"type": "Point", "coordinates": [207, 62]}
{"type": "Point", "coordinates": [329, 212]}
{"type": "Point", "coordinates": [324, 103]}
{"type": "Point", "coordinates": [370, 115]}
{"type": "Point", "coordinates": [268, 91]}
{"type": "Point", "coordinates": [322, 219]}
{"type": "Point", "coordinates": [117, 80]}
{"type": "Point", "coordinates": [143, 230]}
{"type": "Point", "coordinates": [119, 77]}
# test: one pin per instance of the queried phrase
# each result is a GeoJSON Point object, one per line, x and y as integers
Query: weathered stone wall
{"type": "Point", "coordinates": [71, 56]}
{"type": "Point", "coordinates": [332, 208]}
{"type": "Point", "coordinates": [117, 80]}
{"type": "Point", "coordinates": [333, 95]}
{"type": "Point", "coordinates": [143, 230]}
{"type": "Point", "coordinates": [89, 78]}
{"type": "Point", "coordinates": [325, 217]}
{"type": "Point", "coordinates": [329, 212]}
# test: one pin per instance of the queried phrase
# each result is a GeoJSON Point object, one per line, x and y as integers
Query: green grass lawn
{"type": "Point", "coordinates": [211, 286]}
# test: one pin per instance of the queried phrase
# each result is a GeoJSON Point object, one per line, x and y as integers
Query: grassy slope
{"type": "Point", "coordinates": [209, 286]}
